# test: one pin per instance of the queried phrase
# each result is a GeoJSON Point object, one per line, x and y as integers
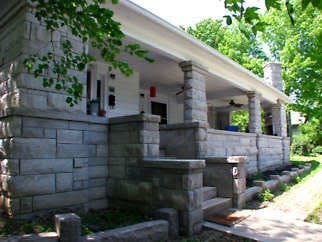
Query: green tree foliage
{"type": "Point", "coordinates": [309, 138]}
{"type": "Point", "coordinates": [230, 41]}
{"type": "Point", "coordinates": [299, 47]}
{"type": "Point", "coordinates": [94, 25]}
{"type": "Point", "coordinates": [250, 15]}
{"type": "Point", "coordinates": [240, 118]}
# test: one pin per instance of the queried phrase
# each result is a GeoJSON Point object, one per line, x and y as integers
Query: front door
{"type": "Point", "coordinates": [160, 109]}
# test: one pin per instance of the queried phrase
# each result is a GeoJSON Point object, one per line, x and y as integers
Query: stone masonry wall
{"type": "Point", "coordinates": [51, 163]}
{"type": "Point", "coordinates": [224, 143]}
{"type": "Point", "coordinates": [270, 152]}
{"type": "Point", "coordinates": [138, 179]}
{"type": "Point", "coordinates": [20, 35]}
{"type": "Point", "coordinates": [185, 140]}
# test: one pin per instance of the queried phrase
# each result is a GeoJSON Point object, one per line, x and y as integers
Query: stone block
{"type": "Point", "coordinates": [170, 215]}
{"type": "Point", "coordinates": [191, 221]}
{"type": "Point", "coordinates": [95, 193]}
{"type": "Point", "coordinates": [64, 182]}
{"type": "Point", "coordinates": [33, 132]}
{"type": "Point", "coordinates": [97, 182]}
{"type": "Point", "coordinates": [97, 127]}
{"type": "Point", "coordinates": [68, 227]}
{"type": "Point", "coordinates": [77, 125]}
{"type": "Point", "coordinates": [151, 150]}
{"type": "Point", "coordinates": [101, 150]}
{"type": "Point", "coordinates": [156, 230]}
{"type": "Point", "coordinates": [94, 137]}
{"type": "Point", "coordinates": [31, 185]}
{"type": "Point", "coordinates": [80, 162]}
{"type": "Point", "coordinates": [80, 174]}
{"type": "Point", "coordinates": [72, 150]}
{"type": "Point", "coordinates": [27, 148]}
{"type": "Point", "coordinates": [44, 123]}
{"type": "Point", "coordinates": [80, 185]}
{"type": "Point", "coordinates": [192, 181]}
{"type": "Point", "coordinates": [45, 166]}
{"type": "Point", "coordinates": [59, 200]}
{"type": "Point", "coordinates": [149, 137]}
{"type": "Point", "coordinates": [69, 136]}
{"type": "Point", "coordinates": [100, 161]}
{"type": "Point", "coordinates": [97, 171]}
{"type": "Point", "coordinates": [50, 133]}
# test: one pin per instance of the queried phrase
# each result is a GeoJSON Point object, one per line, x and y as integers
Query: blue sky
{"type": "Point", "coordinates": [188, 12]}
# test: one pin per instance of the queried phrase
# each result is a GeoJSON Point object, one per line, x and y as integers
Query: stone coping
{"type": "Point", "coordinates": [41, 237]}
{"type": "Point", "coordinates": [228, 160]}
{"type": "Point", "coordinates": [225, 132]}
{"type": "Point", "coordinates": [156, 230]}
{"type": "Point", "coordinates": [164, 163]}
{"type": "Point", "coordinates": [78, 117]}
{"type": "Point", "coordinates": [183, 126]}
{"type": "Point", "coordinates": [135, 118]}
{"type": "Point", "coordinates": [266, 136]}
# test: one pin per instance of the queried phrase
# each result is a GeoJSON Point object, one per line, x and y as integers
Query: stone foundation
{"type": "Point", "coordinates": [52, 163]}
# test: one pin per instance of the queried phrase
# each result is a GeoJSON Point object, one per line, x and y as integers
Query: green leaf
{"type": "Point", "coordinates": [272, 4]}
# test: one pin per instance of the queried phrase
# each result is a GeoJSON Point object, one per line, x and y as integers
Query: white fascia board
{"type": "Point", "coordinates": [148, 28]}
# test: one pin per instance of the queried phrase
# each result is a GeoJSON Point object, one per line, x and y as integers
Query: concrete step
{"type": "Point", "coordinates": [209, 193]}
{"type": "Point", "coordinates": [215, 206]}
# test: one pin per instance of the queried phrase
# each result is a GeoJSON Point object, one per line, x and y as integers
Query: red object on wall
{"type": "Point", "coordinates": [153, 91]}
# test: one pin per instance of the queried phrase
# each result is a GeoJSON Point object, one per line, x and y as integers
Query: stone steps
{"type": "Point", "coordinates": [216, 205]}
{"type": "Point", "coordinates": [209, 193]}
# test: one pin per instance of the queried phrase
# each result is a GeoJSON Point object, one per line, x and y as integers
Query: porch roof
{"type": "Point", "coordinates": [176, 44]}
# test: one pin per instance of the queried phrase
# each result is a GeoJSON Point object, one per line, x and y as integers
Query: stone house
{"type": "Point", "coordinates": [54, 156]}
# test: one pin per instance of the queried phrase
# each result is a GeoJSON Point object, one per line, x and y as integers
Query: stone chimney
{"type": "Point", "coordinates": [273, 75]}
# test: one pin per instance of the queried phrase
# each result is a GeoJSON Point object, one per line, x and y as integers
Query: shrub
{"type": "Point", "coordinates": [266, 195]}
{"type": "Point", "coordinates": [296, 179]}
{"type": "Point", "coordinates": [317, 150]}
{"type": "Point", "coordinates": [310, 137]}
{"type": "Point", "coordinates": [285, 187]}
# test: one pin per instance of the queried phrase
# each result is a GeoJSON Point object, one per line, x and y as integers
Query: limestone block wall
{"type": "Point", "coordinates": [139, 179]}
{"type": "Point", "coordinates": [270, 152]}
{"type": "Point", "coordinates": [184, 140]}
{"type": "Point", "coordinates": [20, 35]}
{"type": "Point", "coordinates": [224, 143]}
{"type": "Point", "coordinates": [53, 162]}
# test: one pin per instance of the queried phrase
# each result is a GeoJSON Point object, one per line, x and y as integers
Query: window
{"type": "Point", "coordinates": [160, 109]}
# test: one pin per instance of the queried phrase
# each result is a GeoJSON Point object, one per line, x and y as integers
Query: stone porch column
{"type": "Point", "coordinates": [273, 76]}
{"type": "Point", "coordinates": [195, 103]}
{"type": "Point", "coordinates": [254, 107]}
{"type": "Point", "coordinates": [279, 121]}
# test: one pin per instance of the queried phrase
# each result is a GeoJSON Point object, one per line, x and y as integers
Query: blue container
{"type": "Point", "coordinates": [233, 128]}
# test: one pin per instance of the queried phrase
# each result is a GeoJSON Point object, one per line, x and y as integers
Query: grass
{"type": "Point", "coordinates": [92, 222]}
{"type": "Point", "coordinates": [266, 195]}
{"type": "Point", "coordinates": [316, 215]}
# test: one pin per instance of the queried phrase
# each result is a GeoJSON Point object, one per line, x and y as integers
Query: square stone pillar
{"type": "Point", "coordinates": [279, 121]}
{"type": "Point", "coordinates": [254, 107]}
{"type": "Point", "coordinates": [195, 103]}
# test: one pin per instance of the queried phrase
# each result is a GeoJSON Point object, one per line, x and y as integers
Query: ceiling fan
{"type": "Point", "coordinates": [237, 105]}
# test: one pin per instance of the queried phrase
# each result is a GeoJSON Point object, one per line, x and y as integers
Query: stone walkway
{"type": "Point", "coordinates": [282, 220]}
